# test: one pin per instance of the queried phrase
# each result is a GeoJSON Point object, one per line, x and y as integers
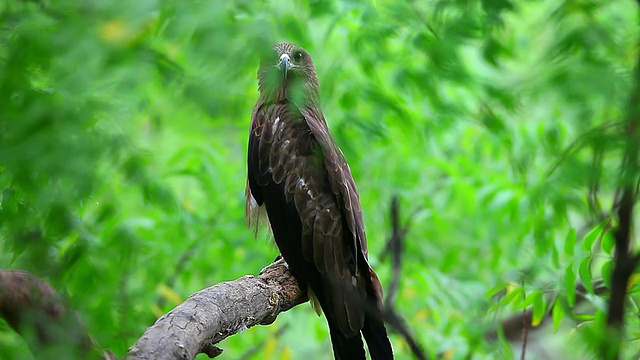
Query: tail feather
{"type": "Point", "coordinates": [345, 348]}
{"type": "Point", "coordinates": [375, 334]}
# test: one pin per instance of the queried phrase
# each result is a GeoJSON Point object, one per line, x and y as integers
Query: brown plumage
{"type": "Point", "coordinates": [297, 171]}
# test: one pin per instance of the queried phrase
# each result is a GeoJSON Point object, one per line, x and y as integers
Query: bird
{"type": "Point", "coordinates": [298, 175]}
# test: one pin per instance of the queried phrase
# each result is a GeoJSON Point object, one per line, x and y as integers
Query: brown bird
{"type": "Point", "coordinates": [297, 171]}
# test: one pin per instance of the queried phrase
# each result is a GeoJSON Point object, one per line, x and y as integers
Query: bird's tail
{"type": "Point", "coordinates": [345, 348]}
{"type": "Point", "coordinates": [376, 337]}
{"type": "Point", "coordinates": [375, 334]}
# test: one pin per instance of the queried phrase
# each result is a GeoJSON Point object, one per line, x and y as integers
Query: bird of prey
{"type": "Point", "coordinates": [298, 173]}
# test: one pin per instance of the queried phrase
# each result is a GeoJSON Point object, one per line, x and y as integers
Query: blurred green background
{"type": "Point", "coordinates": [123, 131]}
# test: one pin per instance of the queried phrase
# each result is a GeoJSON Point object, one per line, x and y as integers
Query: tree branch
{"type": "Point", "coordinates": [389, 313]}
{"type": "Point", "coordinates": [624, 263]}
{"type": "Point", "coordinates": [215, 313]}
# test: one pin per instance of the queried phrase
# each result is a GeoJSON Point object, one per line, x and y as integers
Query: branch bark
{"type": "Point", "coordinates": [624, 261]}
{"type": "Point", "coordinates": [215, 313]}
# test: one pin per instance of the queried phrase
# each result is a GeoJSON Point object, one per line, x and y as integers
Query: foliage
{"type": "Point", "coordinates": [123, 128]}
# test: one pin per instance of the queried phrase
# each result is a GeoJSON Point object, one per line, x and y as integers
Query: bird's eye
{"type": "Point", "coordinates": [298, 56]}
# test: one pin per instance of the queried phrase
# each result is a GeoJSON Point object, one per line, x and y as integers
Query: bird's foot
{"type": "Point", "coordinates": [278, 260]}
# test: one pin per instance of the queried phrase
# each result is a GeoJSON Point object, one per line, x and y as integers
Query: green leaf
{"type": "Point", "coordinates": [608, 242]}
{"type": "Point", "coordinates": [570, 243]}
{"type": "Point", "coordinates": [495, 290]}
{"type": "Point", "coordinates": [633, 280]}
{"type": "Point", "coordinates": [606, 273]}
{"type": "Point", "coordinates": [585, 274]}
{"type": "Point", "coordinates": [555, 256]}
{"type": "Point", "coordinates": [570, 284]}
{"type": "Point", "coordinates": [557, 314]}
{"type": "Point", "coordinates": [593, 235]}
{"type": "Point", "coordinates": [539, 308]}
{"type": "Point", "coordinates": [514, 296]}
{"type": "Point", "coordinates": [584, 317]}
{"type": "Point", "coordinates": [600, 317]}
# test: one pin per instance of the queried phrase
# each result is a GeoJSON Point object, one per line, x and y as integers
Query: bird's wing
{"type": "Point", "coordinates": [288, 148]}
{"type": "Point", "coordinates": [340, 178]}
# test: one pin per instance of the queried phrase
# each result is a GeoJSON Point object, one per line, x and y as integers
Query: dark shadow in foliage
{"type": "Point", "coordinates": [40, 315]}
{"type": "Point", "coordinates": [390, 315]}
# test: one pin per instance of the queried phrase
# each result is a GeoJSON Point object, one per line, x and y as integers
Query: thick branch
{"type": "Point", "coordinates": [624, 262]}
{"type": "Point", "coordinates": [39, 314]}
{"type": "Point", "coordinates": [215, 313]}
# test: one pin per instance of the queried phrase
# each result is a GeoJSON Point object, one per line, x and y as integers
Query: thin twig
{"type": "Point", "coordinates": [395, 245]}
{"type": "Point", "coordinates": [525, 328]}
{"type": "Point", "coordinates": [422, 18]}
{"type": "Point", "coordinates": [580, 141]}
{"type": "Point", "coordinates": [390, 315]}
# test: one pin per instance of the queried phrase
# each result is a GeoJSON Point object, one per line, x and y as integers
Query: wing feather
{"type": "Point", "coordinates": [340, 179]}
{"type": "Point", "coordinates": [319, 241]}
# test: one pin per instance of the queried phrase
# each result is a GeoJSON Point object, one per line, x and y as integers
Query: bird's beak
{"type": "Point", "coordinates": [284, 65]}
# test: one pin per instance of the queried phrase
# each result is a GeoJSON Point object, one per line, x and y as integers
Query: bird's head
{"type": "Point", "coordinates": [287, 73]}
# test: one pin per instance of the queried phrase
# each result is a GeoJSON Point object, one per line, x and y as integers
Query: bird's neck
{"type": "Point", "coordinates": [293, 90]}
{"type": "Point", "coordinates": [286, 96]}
